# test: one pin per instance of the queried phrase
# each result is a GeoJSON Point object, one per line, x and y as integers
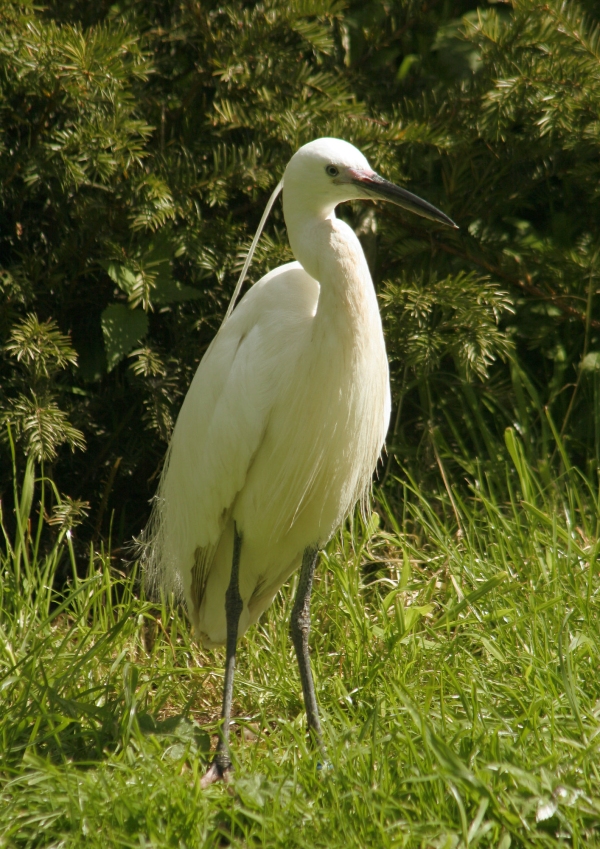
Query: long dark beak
{"type": "Point", "coordinates": [375, 186]}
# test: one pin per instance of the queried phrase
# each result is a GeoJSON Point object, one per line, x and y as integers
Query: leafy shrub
{"type": "Point", "coordinates": [138, 144]}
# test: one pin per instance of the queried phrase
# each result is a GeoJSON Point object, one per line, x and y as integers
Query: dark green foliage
{"type": "Point", "coordinates": [138, 145]}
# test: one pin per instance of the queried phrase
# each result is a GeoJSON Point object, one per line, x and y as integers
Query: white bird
{"type": "Point", "coordinates": [283, 424]}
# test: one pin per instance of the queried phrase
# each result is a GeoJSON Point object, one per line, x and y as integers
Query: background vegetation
{"type": "Point", "coordinates": [457, 676]}
{"type": "Point", "coordinates": [139, 142]}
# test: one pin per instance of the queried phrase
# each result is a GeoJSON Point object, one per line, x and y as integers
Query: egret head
{"type": "Point", "coordinates": [326, 172]}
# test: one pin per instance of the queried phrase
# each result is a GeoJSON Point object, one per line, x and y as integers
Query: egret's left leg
{"type": "Point", "coordinates": [300, 629]}
{"type": "Point", "coordinates": [221, 764]}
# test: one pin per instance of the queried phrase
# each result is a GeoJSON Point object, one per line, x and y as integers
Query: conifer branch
{"type": "Point", "coordinates": [557, 299]}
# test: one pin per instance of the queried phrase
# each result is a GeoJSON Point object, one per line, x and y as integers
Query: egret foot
{"type": "Point", "coordinates": [216, 773]}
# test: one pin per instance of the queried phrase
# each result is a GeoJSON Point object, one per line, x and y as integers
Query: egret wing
{"type": "Point", "coordinates": [222, 423]}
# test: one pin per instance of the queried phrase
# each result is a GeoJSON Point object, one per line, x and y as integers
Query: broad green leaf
{"type": "Point", "coordinates": [122, 329]}
{"type": "Point", "coordinates": [169, 291]}
{"type": "Point", "coordinates": [123, 276]}
{"type": "Point", "coordinates": [165, 290]}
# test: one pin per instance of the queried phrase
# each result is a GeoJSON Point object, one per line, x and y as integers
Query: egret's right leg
{"type": "Point", "coordinates": [300, 630]}
{"type": "Point", "coordinates": [221, 764]}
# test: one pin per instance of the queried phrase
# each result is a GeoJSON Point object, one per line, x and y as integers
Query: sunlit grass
{"type": "Point", "coordinates": [456, 652]}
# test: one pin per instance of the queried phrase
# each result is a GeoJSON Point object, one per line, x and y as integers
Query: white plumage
{"type": "Point", "coordinates": [286, 416]}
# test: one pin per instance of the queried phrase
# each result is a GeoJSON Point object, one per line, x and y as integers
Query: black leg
{"type": "Point", "coordinates": [221, 764]}
{"type": "Point", "coordinates": [300, 629]}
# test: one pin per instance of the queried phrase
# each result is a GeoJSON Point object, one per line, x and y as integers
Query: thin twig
{"type": "Point", "coordinates": [396, 423]}
{"type": "Point", "coordinates": [445, 479]}
{"type": "Point", "coordinates": [527, 285]}
{"type": "Point", "coordinates": [586, 342]}
{"type": "Point", "coordinates": [105, 497]}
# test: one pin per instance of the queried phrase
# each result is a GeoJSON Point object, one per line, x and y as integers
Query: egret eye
{"type": "Point", "coordinates": [331, 170]}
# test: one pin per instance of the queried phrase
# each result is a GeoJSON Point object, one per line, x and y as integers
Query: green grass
{"type": "Point", "coordinates": [457, 670]}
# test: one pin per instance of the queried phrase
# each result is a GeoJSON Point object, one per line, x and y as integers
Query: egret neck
{"type": "Point", "coordinates": [331, 253]}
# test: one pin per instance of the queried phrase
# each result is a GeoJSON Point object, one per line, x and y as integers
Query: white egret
{"type": "Point", "coordinates": [283, 424]}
